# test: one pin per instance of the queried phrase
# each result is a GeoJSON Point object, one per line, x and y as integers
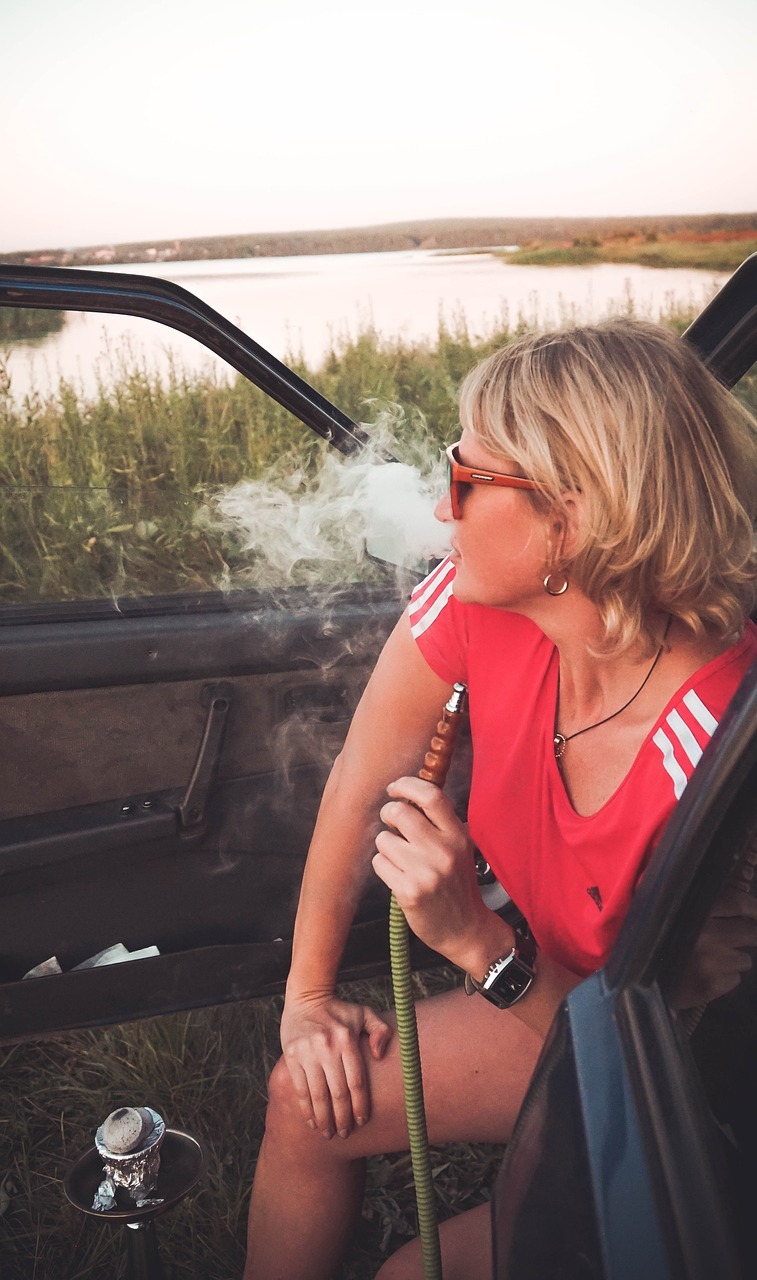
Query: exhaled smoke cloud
{"type": "Point", "coordinates": [308, 531]}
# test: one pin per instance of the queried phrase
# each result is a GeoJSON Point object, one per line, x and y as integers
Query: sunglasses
{"type": "Point", "coordinates": [460, 476]}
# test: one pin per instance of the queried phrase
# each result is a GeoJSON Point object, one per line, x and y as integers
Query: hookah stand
{"type": "Point", "coordinates": [182, 1161]}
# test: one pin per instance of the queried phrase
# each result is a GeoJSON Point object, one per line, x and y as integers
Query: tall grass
{"type": "Point", "coordinates": [101, 492]}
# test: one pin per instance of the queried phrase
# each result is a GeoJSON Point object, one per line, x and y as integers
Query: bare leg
{"type": "Point", "coordinates": [466, 1250]}
{"type": "Point", "coordinates": [477, 1062]}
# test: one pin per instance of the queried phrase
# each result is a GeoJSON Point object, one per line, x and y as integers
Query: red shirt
{"type": "Point", "coordinates": [571, 876]}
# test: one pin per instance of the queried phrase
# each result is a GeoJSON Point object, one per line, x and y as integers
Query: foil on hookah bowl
{"type": "Point", "coordinates": [130, 1177]}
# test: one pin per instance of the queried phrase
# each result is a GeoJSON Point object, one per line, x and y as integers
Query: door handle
{"type": "Point", "coordinates": [191, 808]}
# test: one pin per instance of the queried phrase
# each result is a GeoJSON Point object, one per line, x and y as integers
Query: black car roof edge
{"type": "Point", "coordinates": [725, 333]}
{"type": "Point", "coordinates": [74, 288]}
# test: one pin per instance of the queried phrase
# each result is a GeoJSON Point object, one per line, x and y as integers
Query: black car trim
{"type": "Point", "coordinates": [725, 333]}
{"type": "Point", "coordinates": [82, 655]}
{"type": "Point", "coordinates": [74, 289]}
{"type": "Point", "coordinates": [703, 828]}
{"type": "Point", "coordinates": [215, 975]}
{"type": "Point", "coordinates": [30, 843]}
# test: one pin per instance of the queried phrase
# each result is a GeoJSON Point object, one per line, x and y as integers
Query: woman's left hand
{"type": "Point", "coordinates": [426, 859]}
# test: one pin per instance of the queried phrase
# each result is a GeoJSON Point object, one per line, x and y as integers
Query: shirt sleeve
{"type": "Point", "coordinates": [438, 624]}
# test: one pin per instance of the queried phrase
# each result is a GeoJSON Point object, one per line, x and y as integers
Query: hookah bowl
{"type": "Point", "coordinates": [138, 1187]}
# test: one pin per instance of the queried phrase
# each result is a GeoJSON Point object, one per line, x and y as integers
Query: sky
{"type": "Point", "coordinates": [174, 118]}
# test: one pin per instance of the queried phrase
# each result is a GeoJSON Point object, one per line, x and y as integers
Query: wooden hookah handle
{"type": "Point", "coordinates": [438, 758]}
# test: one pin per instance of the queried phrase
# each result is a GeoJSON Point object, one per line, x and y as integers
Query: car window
{"type": "Point", "coordinates": [122, 447]}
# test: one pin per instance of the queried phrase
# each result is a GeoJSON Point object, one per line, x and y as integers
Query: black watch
{"type": "Point", "coordinates": [508, 977]}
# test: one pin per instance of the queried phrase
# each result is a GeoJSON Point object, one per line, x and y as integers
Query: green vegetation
{"type": "Point", "coordinates": [103, 493]}
{"type": "Point", "coordinates": [19, 324]}
{"type": "Point", "coordinates": [104, 496]}
{"type": "Point", "coordinates": [205, 1071]}
{"type": "Point", "coordinates": [722, 255]}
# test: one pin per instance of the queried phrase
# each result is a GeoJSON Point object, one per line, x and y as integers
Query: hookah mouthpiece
{"type": "Point", "coordinates": [456, 701]}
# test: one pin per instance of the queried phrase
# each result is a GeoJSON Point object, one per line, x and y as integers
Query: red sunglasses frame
{"type": "Point", "coordinates": [460, 475]}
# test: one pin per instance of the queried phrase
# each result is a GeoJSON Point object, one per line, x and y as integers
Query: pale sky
{"type": "Point", "coordinates": [164, 118]}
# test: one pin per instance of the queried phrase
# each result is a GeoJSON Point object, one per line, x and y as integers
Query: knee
{"type": "Point", "coordinates": [283, 1112]}
{"type": "Point", "coordinates": [405, 1264]}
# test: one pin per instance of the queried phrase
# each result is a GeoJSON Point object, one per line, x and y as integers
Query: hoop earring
{"type": "Point", "coordinates": [562, 589]}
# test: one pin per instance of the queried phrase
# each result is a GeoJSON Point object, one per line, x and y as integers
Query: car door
{"type": "Point", "coordinates": [165, 730]}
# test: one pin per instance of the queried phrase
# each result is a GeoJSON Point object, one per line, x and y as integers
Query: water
{"type": "Point", "coordinates": [307, 305]}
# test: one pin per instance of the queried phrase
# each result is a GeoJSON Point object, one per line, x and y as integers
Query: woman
{"type": "Point", "coordinates": [594, 602]}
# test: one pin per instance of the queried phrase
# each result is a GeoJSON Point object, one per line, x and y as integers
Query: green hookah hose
{"type": "Point", "coordinates": [435, 769]}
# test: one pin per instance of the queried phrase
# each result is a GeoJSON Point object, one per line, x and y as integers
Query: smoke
{"type": "Point", "coordinates": [331, 527]}
{"type": "Point", "coordinates": [325, 529]}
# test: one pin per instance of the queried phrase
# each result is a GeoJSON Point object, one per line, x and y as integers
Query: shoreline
{"type": "Point", "coordinates": [543, 236]}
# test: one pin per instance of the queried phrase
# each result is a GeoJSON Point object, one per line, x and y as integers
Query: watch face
{"type": "Point", "coordinates": [511, 978]}
{"type": "Point", "coordinates": [512, 981]}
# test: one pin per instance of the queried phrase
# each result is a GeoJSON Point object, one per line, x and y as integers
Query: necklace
{"type": "Point", "coordinates": [560, 741]}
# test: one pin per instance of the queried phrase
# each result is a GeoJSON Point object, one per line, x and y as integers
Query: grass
{"type": "Point", "coordinates": [723, 255]}
{"type": "Point", "coordinates": [103, 492]}
{"type": "Point", "coordinates": [106, 489]}
{"type": "Point", "coordinates": [204, 1071]}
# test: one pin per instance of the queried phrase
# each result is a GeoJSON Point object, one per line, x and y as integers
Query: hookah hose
{"type": "Point", "coordinates": [435, 767]}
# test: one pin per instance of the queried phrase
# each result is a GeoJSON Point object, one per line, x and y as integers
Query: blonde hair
{"type": "Point", "coordinates": [662, 454]}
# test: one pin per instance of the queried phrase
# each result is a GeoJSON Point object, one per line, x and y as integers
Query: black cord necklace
{"type": "Point", "coordinates": [560, 741]}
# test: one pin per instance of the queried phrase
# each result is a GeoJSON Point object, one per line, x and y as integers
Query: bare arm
{"type": "Point", "coordinates": [388, 736]}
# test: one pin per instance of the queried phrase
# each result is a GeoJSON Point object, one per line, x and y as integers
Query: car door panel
{"type": "Point", "coordinates": [104, 728]}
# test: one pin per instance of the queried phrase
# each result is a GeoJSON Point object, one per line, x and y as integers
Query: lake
{"type": "Point", "coordinates": [309, 304]}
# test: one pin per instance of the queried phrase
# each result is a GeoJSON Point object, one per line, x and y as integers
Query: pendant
{"type": "Point", "coordinates": [560, 744]}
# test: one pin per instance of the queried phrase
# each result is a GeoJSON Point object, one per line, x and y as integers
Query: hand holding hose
{"type": "Point", "coordinates": [426, 858]}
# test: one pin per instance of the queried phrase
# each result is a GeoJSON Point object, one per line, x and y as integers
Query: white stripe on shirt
{"type": "Point", "coordinates": [428, 587]}
{"type": "Point", "coordinates": [700, 712]}
{"type": "Point", "coordinates": [671, 765]}
{"type": "Point", "coordinates": [432, 613]}
{"type": "Point", "coordinates": [685, 737]}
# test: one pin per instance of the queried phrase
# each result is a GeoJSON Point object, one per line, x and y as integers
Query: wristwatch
{"type": "Point", "coordinates": [508, 977]}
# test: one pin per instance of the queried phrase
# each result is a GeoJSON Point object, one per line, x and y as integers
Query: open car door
{"type": "Point", "coordinates": [163, 750]}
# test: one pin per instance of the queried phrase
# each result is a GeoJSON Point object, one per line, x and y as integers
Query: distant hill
{"type": "Point", "coordinates": [434, 233]}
